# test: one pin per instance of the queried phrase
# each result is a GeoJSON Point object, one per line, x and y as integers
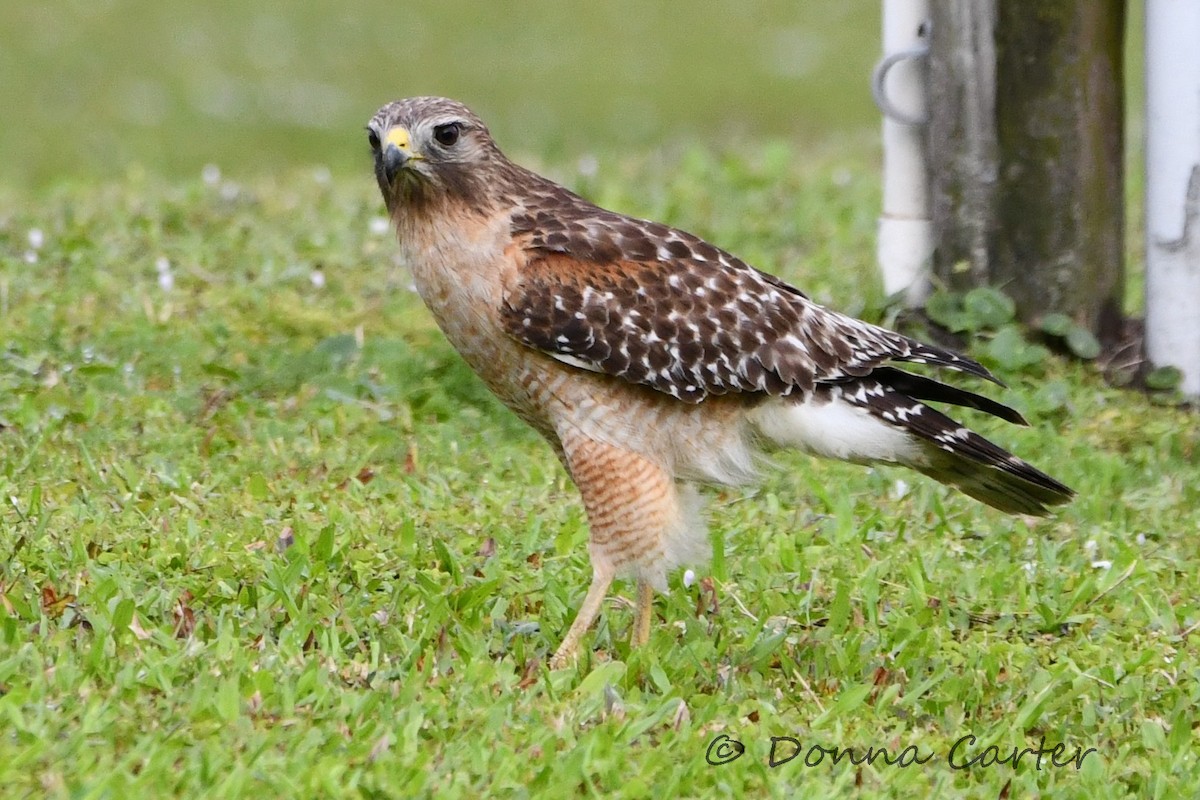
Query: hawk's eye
{"type": "Point", "coordinates": [373, 139]}
{"type": "Point", "coordinates": [446, 135]}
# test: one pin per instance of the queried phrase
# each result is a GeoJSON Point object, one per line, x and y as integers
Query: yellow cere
{"type": "Point", "coordinates": [399, 137]}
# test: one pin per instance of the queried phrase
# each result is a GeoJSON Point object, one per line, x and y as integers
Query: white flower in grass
{"type": "Point", "coordinates": [378, 225]}
{"type": "Point", "coordinates": [317, 278]}
{"type": "Point", "coordinates": [36, 238]}
{"type": "Point", "coordinates": [211, 174]}
{"type": "Point", "coordinates": [689, 577]}
{"type": "Point", "coordinates": [166, 281]}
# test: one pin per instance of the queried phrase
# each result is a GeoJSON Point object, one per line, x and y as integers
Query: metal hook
{"type": "Point", "coordinates": [879, 76]}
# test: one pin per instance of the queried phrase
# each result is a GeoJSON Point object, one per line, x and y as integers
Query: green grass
{"type": "Point", "coordinates": [95, 89]}
{"type": "Point", "coordinates": [161, 448]}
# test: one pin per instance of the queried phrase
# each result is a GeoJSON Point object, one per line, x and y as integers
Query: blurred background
{"type": "Point", "coordinates": [93, 88]}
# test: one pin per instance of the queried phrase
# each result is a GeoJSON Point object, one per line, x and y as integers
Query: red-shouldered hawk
{"type": "Point", "coordinates": [652, 360]}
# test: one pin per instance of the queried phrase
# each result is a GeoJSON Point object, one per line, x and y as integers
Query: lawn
{"type": "Point", "coordinates": [263, 534]}
{"type": "Point", "coordinates": [95, 88]}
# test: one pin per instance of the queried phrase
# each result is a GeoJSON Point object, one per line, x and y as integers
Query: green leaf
{"type": "Point", "coordinates": [407, 534]}
{"type": "Point", "coordinates": [323, 549]}
{"type": "Point", "coordinates": [717, 566]}
{"type": "Point", "coordinates": [850, 701]}
{"type": "Point", "coordinates": [988, 307]}
{"type": "Point", "coordinates": [1083, 343]}
{"type": "Point", "coordinates": [212, 368]}
{"type": "Point", "coordinates": [1035, 704]}
{"type": "Point", "coordinates": [1152, 735]}
{"type": "Point", "coordinates": [1010, 350]}
{"type": "Point", "coordinates": [661, 680]}
{"type": "Point", "coordinates": [96, 369]}
{"type": "Point", "coordinates": [839, 611]}
{"type": "Point", "coordinates": [228, 700]}
{"type": "Point", "coordinates": [122, 616]}
{"type": "Point", "coordinates": [946, 310]}
{"type": "Point", "coordinates": [1056, 324]}
{"type": "Point", "coordinates": [447, 560]}
{"type": "Point", "coordinates": [257, 486]}
{"type": "Point", "coordinates": [603, 674]}
{"type": "Point", "coordinates": [1164, 379]}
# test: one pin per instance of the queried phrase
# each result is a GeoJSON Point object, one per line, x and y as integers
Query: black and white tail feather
{"type": "Point", "coordinates": [881, 417]}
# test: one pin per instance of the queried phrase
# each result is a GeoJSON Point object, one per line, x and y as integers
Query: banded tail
{"type": "Point", "coordinates": [881, 418]}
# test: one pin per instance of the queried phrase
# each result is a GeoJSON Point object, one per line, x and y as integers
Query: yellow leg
{"type": "Point", "coordinates": [643, 614]}
{"type": "Point", "coordinates": [583, 620]}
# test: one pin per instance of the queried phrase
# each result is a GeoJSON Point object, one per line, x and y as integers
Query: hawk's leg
{"type": "Point", "coordinates": [583, 620]}
{"type": "Point", "coordinates": [632, 505]}
{"type": "Point", "coordinates": [643, 614]}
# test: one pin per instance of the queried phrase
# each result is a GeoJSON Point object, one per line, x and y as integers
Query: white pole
{"type": "Point", "coordinates": [905, 226]}
{"type": "Point", "coordinates": [1173, 187]}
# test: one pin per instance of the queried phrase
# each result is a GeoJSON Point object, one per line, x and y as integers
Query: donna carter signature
{"type": "Point", "coordinates": [965, 753]}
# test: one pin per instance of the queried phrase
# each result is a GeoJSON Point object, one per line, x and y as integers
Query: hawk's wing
{"type": "Point", "coordinates": [660, 307]}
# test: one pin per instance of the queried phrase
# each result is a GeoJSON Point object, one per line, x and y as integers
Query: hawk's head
{"type": "Point", "coordinates": [431, 148]}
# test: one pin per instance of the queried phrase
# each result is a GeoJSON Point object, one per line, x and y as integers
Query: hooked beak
{"type": "Point", "coordinates": [397, 152]}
